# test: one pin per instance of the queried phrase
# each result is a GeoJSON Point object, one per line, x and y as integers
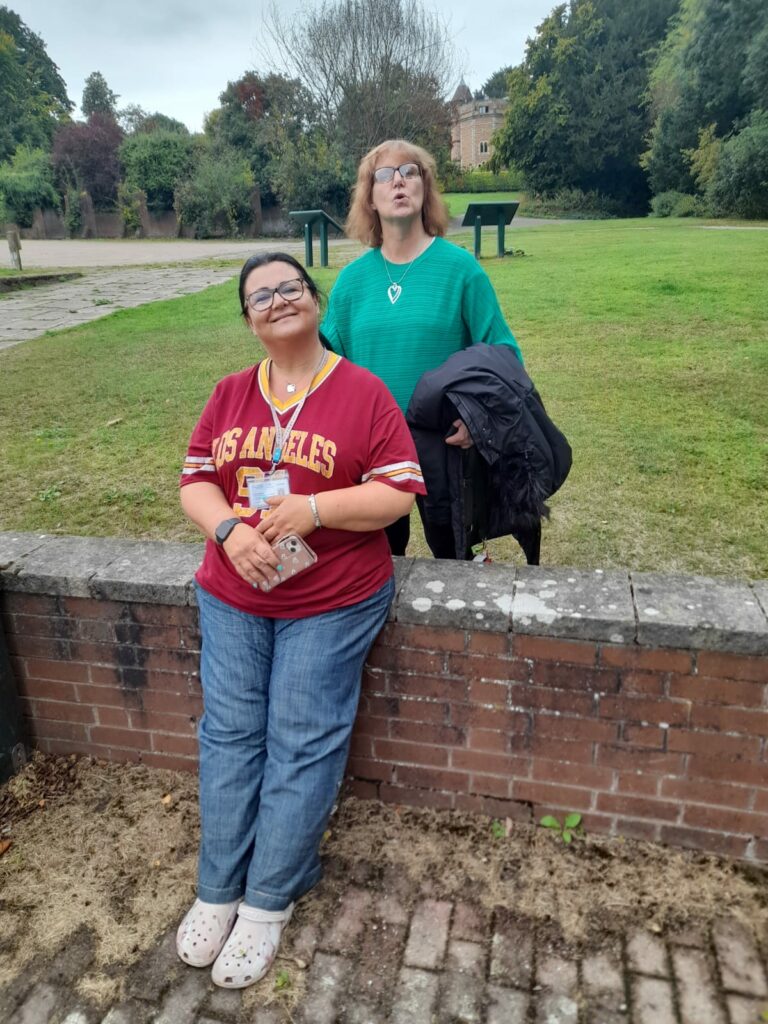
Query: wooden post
{"type": "Point", "coordinates": [14, 244]}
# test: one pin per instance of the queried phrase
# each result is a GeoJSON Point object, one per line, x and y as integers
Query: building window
{"type": "Point", "coordinates": [483, 147]}
{"type": "Point", "coordinates": [484, 110]}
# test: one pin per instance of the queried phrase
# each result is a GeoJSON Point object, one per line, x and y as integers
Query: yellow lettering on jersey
{"type": "Point", "coordinates": [314, 452]}
{"type": "Point", "coordinates": [329, 450]}
{"type": "Point", "coordinates": [300, 458]}
{"type": "Point", "coordinates": [247, 449]}
{"type": "Point", "coordinates": [230, 444]}
{"type": "Point", "coordinates": [289, 454]}
{"type": "Point", "coordinates": [266, 444]}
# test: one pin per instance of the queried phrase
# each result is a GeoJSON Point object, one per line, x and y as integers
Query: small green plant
{"type": "Point", "coordinates": [497, 829]}
{"type": "Point", "coordinates": [570, 828]}
{"type": "Point", "coordinates": [282, 980]}
{"type": "Point", "coordinates": [50, 494]}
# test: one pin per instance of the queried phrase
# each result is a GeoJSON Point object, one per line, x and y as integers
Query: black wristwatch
{"type": "Point", "coordinates": [224, 529]}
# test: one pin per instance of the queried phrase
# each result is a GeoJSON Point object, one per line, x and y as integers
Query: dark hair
{"type": "Point", "coordinates": [261, 259]}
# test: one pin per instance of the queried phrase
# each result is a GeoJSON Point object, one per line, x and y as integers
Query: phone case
{"type": "Point", "coordinates": [295, 555]}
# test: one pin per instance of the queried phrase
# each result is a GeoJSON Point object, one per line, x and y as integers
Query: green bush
{"type": "Point", "coordinates": [73, 215]}
{"type": "Point", "coordinates": [216, 200]}
{"type": "Point", "coordinates": [690, 206]}
{"type": "Point", "coordinates": [664, 204]}
{"type": "Point", "coordinates": [453, 179]}
{"type": "Point", "coordinates": [739, 185]}
{"type": "Point", "coordinates": [26, 183]}
{"type": "Point", "coordinates": [311, 174]}
{"type": "Point", "coordinates": [573, 203]}
{"type": "Point", "coordinates": [129, 202]}
{"type": "Point", "coordinates": [156, 163]}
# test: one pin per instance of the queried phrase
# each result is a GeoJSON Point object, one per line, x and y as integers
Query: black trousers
{"type": "Point", "coordinates": [439, 536]}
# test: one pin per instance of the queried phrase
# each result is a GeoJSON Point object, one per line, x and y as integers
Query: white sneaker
{"type": "Point", "coordinates": [251, 948]}
{"type": "Point", "coordinates": [204, 931]}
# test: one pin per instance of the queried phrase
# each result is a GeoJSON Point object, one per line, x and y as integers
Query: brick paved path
{"type": "Point", "coordinates": [392, 955]}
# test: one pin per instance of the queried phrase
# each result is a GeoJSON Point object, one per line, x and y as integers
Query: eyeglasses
{"type": "Point", "coordinates": [407, 171]}
{"type": "Point", "coordinates": [262, 299]}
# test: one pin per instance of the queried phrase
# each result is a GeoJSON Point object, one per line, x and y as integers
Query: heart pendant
{"type": "Point", "coordinates": [394, 292]}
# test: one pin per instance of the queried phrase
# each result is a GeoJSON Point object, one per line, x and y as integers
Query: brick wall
{"type": "Point", "coordinates": [639, 700]}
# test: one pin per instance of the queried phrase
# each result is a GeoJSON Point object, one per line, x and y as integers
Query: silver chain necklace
{"type": "Point", "coordinates": [395, 289]}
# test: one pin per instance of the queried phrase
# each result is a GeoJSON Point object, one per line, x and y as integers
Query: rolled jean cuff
{"type": "Point", "coordinates": [208, 894]}
{"type": "Point", "coordinates": [267, 901]}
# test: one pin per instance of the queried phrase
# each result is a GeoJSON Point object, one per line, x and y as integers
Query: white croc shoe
{"type": "Point", "coordinates": [251, 948]}
{"type": "Point", "coordinates": [204, 931]}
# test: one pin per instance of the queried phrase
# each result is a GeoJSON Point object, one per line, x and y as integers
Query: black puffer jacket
{"type": "Point", "coordinates": [519, 458]}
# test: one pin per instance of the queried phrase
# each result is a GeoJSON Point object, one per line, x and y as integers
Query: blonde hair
{"type": "Point", "coordinates": [363, 222]}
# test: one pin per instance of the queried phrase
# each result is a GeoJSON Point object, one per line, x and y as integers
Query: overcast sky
{"type": "Point", "coordinates": [176, 56]}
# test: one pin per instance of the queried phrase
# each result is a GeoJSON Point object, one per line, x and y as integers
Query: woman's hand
{"type": "Point", "coordinates": [462, 438]}
{"type": "Point", "coordinates": [251, 555]}
{"type": "Point", "coordinates": [289, 513]}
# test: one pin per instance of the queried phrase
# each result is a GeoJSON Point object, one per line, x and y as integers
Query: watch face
{"type": "Point", "coordinates": [224, 529]}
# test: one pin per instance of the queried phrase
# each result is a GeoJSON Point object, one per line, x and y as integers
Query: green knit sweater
{"type": "Point", "coordinates": [446, 304]}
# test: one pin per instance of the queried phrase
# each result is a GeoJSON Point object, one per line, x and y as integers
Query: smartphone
{"type": "Point", "coordinates": [294, 554]}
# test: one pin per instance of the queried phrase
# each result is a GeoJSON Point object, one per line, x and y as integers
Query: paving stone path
{"type": "Point", "coordinates": [394, 955]}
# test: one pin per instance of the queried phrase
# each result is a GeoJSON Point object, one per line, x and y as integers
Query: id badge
{"type": "Point", "coordinates": [262, 487]}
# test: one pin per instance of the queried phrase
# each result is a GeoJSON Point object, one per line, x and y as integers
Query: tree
{"type": "Point", "coordinates": [575, 117]}
{"type": "Point", "coordinates": [133, 119]}
{"type": "Point", "coordinates": [739, 185]}
{"type": "Point", "coordinates": [375, 70]}
{"type": "Point", "coordinates": [33, 97]}
{"type": "Point", "coordinates": [496, 86]}
{"type": "Point", "coordinates": [85, 157]}
{"type": "Point", "coordinates": [98, 98]}
{"type": "Point", "coordinates": [26, 182]}
{"type": "Point", "coordinates": [217, 198]}
{"type": "Point", "coordinates": [155, 163]}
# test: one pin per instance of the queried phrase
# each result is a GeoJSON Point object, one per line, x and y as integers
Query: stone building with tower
{"type": "Point", "coordinates": [473, 123]}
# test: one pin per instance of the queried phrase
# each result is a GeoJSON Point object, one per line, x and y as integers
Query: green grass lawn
{"type": "Point", "coordinates": [647, 339]}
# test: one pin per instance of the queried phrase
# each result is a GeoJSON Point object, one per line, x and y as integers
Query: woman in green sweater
{"type": "Point", "coordinates": [413, 299]}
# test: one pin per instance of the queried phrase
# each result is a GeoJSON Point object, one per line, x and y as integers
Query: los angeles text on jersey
{"type": "Point", "coordinates": [313, 452]}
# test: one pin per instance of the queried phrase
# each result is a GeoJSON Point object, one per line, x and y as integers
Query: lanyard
{"type": "Point", "coordinates": [281, 433]}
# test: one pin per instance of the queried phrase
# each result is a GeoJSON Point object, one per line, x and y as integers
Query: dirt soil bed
{"type": "Point", "coordinates": [112, 848]}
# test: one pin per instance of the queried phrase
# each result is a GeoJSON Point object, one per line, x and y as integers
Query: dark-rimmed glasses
{"type": "Point", "coordinates": [409, 170]}
{"type": "Point", "coordinates": [262, 298]}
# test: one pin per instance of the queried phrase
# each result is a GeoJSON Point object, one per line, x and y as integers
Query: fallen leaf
{"type": "Point", "coordinates": [5, 845]}
{"type": "Point", "coordinates": [167, 800]}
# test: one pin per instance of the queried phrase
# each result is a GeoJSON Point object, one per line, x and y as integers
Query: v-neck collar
{"type": "Point", "coordinates": [319, 379]}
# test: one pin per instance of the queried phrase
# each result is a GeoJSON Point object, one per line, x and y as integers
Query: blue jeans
{"type": "Point", "coordinates": [280, 700]}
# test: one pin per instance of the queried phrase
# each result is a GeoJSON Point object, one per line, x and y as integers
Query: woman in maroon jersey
{"type": "Point", "coordinates": [303, 444]}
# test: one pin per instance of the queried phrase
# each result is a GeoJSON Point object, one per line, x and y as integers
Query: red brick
{"type": "Point", "coordinates": [366, 768]}
{"type": "Point", "coordinates": [644, 736]}
{"type": "Point", "coordinates": [361, 745]}
{"type": "Point", "coordinates": [489, 764]}
{"type": "Point", "coordinates": [573, 677]}
{"type": "Point", "coordinates": [95, 630]}
{"type": "Point", "coordinates": [32, 604]}
{"type": "Point", "coordinates": [592, 776]}
{"type": "Point", "coordinates": [361, 789]}
{"type": "Point", "coordinates": [634, 828]}
{"type": "Point", "coordinates": [158, 636]}
{"type": "Point", "coordinates": [486, 666]}
{"type": "Point", "coordinates": [637, 807]}
{"type": "Point", "coordinates": [713, 744]}
{"type": "Point", "coordinates": [761, 801]}
{"type": "Point", "coordinates": [487, 739]}
{"type": "Point", "coordinates": [19, 668]}
{"type": "Point", "coordinates": [722, 769]}
{"type": "Point", "coordinates": [639, 709]}
{"type": "Point", "coordinates": [410, 753]}
{"type": "Point", "coordinates": [760, 850]}
{"type": "Point", "coordinates": [429, 778]}
{"type": "Point", "coordinates": [492, 807]}
{"type": "Point", "coordinates": [74, 672]}
{"type": "Point", "coordinates": [171, 682]}
{"type": "Point", "coordinates": [39, 647]}
{"type": "Point", "coordinates": [169, 743]}
{"type": "Point", "coordinates": [189, 637]}
{"type": "Point", "coordinates": [638, 783]}
{"type": "Point", "coordinates": [425, 638]}
{"type": "Point", "coordinates": [651, 683]}
{"type": "Point", "coordinates": [117, 717]}
{"type": "Point", "coordinates": [57, 746]}
{"type": "Point", "coordinates": [152, 720]}
{"type": "Point", "coordinates": [57, 711]}
{"type": "Point", "coordinates": [370, 726]}
{"type": "Point", "coordinates": [571, 652]}
{"type": "Point", "coordinates": [99, 654]}
{"type": "Point", "coordinates": [490, 785]}
{"type": "Point", "coordinates": [732, 666]}
{"type": "Point", "coordinates": [42, 625]}
{"type": "Point", "coordinates": [405, 659]}
{"type": "Point", "coordinates": [436, 687]}
{"type": "Point", "coordinates": [631, 759]}
{"type": "Point", "coordinates": [427, 732]}
{"type": "Point", "coordinates": [498, 718]}
{"type": "Point", "coordinates": [190, 704]}
{"type": "Point", "coordinates": [154, 659]}
{"type": "Point", "coordinates": [577, 751]}
{"type": "Point", "coordinates": [108, 736]}
{"type": "Point", "coordinates": [574, 728]}
{"type": "Point", "coordinates": [91, 608]}
{"type": "Point", "coordinates": [568, 702]}
{"type": "Point", "coordinates": [717, 691]}
{"type": "Point", "coordinates": [104, 675]}
{"type": "Point", "coordinates": [724, 719]}
{"type": "Point", "coordinates": [106, 696]}
{"type": "Point", "coordinates": [645, 658]}
{"type": "Point", "coordinates": [423, 711]}
{"type": "Point", "coordinates": [415, 797]}
{"type": "Point", "coordinates": [489, 643]}
{"type": "Point", "coordinates": [382, 707]}
{"type": "Point", "coordinates": [75, 732]}
{"type": "Point", "coordinates": [164, 614]}
{"type": "Point", "coordinates": [484, 692]}
{"type": "Point", "coordinates": [720, 819]}
{"type": "Point", "coordinates": [172, 762]}
{"type": "Point", "coordinates": [691, 791]}
{"type": "Point", "coordinates": [556, 796]}
{"type": "Point", "coordinates": [48, 689]}
{"type": "Point", "coordinates": [698, 839]}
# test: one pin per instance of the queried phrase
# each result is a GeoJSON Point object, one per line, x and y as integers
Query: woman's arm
{"type": "Point", "coordinates": [248, 551]}
{"type": "Point", "coordinates": [363, 507]}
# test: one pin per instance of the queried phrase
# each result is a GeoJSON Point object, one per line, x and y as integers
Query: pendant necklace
{"type": "Point", "coordinates": [395, 289]}
{"type": "Point", "coordinates": [281, 433]}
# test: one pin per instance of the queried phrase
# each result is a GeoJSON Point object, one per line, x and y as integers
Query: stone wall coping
{"type": "Point", "coordinates": [611, 605]}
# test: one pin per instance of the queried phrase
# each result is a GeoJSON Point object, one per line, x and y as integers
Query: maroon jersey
{"type": "Point", "coordinates": [349, 431]}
